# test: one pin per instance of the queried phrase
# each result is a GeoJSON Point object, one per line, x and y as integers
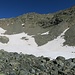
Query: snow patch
{"type": "Point", "coordinates": [2, 31]}
{"type": "Point", "coordinates": [22, 24]}
{"type": "Point", "coordinates": [46, 33]}
{"type": "Point", "coordinates": [52, 49]}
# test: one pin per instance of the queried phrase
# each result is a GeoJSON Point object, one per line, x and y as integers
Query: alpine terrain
{"type": "Point", "coordinates": [46, 36]}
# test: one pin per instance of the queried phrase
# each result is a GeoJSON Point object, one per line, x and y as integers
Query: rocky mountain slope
{"type": "Point", "coordinates": [35, 24]}
{"type": "Point", "coordinates": [40, 34]}
{"type": "Point", "coordinates": [49, 36]}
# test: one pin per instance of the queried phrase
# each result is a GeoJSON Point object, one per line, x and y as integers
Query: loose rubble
{"type": "Point", "coordinates": [20, 64]}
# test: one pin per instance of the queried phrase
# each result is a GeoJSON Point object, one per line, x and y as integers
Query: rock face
{"type": "Point", "coordinates": [4, 39]}
{"type": "Point", "coordinates": [20, 64]}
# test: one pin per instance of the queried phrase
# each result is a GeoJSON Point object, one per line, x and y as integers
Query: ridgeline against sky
{"type": "Point", "coordinates": [13, 8]}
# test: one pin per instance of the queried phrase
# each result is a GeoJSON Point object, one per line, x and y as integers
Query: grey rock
{"type": "Point", "coordinates": [4, 39]}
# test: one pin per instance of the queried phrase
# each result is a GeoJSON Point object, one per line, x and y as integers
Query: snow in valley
{"type": "Point", "coordinates": [52, 49]}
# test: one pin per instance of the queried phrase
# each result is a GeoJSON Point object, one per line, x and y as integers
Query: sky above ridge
{"type": "Point", "coordinates": [13, 8]}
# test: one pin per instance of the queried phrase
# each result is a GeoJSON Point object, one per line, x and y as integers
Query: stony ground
{"type": "Point", "coordinates": [20, 64]}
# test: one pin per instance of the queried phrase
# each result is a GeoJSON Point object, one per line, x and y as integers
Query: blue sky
{"type": "Point", "coordinates": [13, 8]}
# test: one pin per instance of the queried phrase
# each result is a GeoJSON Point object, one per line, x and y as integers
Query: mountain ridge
{"type": "Point", "coordinates": [35, 24]}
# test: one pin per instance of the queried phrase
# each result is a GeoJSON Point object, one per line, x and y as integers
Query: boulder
{"type": "Point", "coordinates": [4, 39]}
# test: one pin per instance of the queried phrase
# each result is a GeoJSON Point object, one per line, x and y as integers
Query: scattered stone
{"type": "Point", "coordinates": [20, 64]}
{"type": "Point", "coordinates": [24, 38]}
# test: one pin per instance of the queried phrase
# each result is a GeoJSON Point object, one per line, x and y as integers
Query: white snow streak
{"type": "Point", "coordinates": [22, 24]}
{"type": "Point", "coordinates": [46, 33]}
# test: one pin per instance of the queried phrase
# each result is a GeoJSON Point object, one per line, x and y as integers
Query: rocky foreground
{"type": "Point", "coordinates": [20, 64]}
